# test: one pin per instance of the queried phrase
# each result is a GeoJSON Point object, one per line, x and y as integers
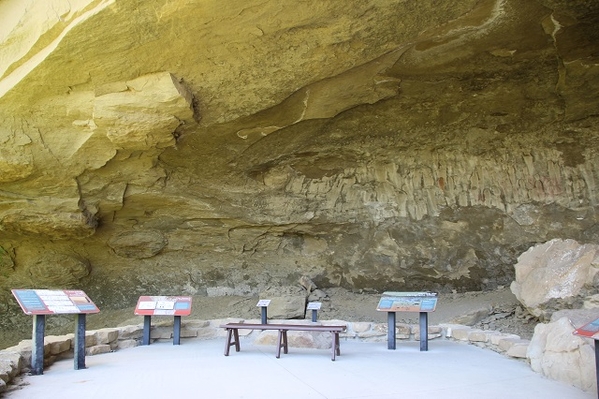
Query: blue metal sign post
{"type": "Point", "coordinates": [177, 330]}
{"type": "Point", "coordinates": [80, 342]}
{"type": "Point", "coordinates": [263, 314]}
{"type": "Point", "coordinates": [37, 352]}
{"type": "Point", "coordinates": [423, 331]}
{"type": "Point", "coordinates": [145, 340]}
{"type": "Point", "coordinates": [391, 339]}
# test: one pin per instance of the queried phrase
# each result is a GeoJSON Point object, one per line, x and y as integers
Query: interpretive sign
{"type": "Point", "coordinates": [396, 301]}
{"type": "Point", "coordinates": [48, 302]}
{"type": "Point", "coordinates": [407, 302]}
{"type": "Point", "coordinates": [314, 307]}
{"type": "Point", "coordinates": [589, 330]}
{"type": "Point", "coordinates": [263, 303]}
{"type": "Point", "coordinates": [163, 306]}
{"type": "Point", "coordinates": [43, 302]}
{"type": "Point", "coordinates": [177, 306]}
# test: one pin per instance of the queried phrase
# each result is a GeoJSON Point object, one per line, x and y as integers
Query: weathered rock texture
{"type": "Point", "coordinates": [559, 274]}
{"type": "Point", "coordinates": [210, 147]}
{"type": "Point", "coordinates": [557, 353]}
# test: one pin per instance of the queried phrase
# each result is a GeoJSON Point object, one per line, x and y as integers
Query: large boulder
{"type": "Point", "coordinates": [557, 353]}
{"type": "Point", "coordinates": [556, 275]}
{"type": "Point", "coordinates": [286, 302]}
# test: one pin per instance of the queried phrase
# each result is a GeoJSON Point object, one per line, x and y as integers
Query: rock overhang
{"type": "Point", "coordinates": [422, 145]}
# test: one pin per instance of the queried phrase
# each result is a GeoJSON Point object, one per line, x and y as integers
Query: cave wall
{"type": "Point", "coordinates": [209, 148]}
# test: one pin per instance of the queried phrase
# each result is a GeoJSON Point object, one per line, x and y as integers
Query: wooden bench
{"type": "Point", "coordinates": [233, 334]}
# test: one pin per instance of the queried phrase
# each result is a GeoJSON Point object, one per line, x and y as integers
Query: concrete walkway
{"type": "Point", "coordinates": [198, 369]}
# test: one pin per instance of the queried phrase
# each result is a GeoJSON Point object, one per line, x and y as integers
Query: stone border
{"type": "Point", "coordinates": [508, 344]}
{"type": "Point", "coordinates": [16, 360]}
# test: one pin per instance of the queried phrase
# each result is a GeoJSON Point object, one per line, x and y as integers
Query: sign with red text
{"type": "Point", "coordinates": [163, 306]}
{"type": "Point", "coordinates": [47, 302]}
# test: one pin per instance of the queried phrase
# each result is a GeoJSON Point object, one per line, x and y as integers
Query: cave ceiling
{"type": "Point", "coordinates": [214, 148]}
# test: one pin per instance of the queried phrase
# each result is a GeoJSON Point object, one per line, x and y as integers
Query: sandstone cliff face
{"type": "Point", "coordinates": [210, 148]}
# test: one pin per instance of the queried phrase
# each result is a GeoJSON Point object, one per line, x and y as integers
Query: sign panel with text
{"type": "Point", "coordinates": [589, 330]}
{"type": "Point", "coordinates": [163, 306]}
{"type": "Point", "coordinates": [392, 301]}
{"type": "Point", "coordinates": [47, 302]}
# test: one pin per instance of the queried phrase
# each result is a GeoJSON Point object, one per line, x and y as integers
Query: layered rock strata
{"type": "Point", "coordinates": [201, 148]}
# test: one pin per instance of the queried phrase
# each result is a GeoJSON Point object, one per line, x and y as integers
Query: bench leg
{"type": "Point", "coordinates": [335, 349]}
{"type": "Point", "coordinates": [282, 342]}
{"type": "Point", "coordinates": [279, 343]}
{"type": "Point", "coordinates": [232, 334]}
{"type": "Point", "coordinates": [228, 343]}
{"type": "Point", "coordinates": [236, 335]}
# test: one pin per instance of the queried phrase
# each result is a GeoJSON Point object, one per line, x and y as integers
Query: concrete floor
{"type": "Point", "coordinates": [198, 369]}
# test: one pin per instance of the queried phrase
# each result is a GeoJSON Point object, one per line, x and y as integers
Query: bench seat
{"type": "Point", "coordinates": [233, 334]}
